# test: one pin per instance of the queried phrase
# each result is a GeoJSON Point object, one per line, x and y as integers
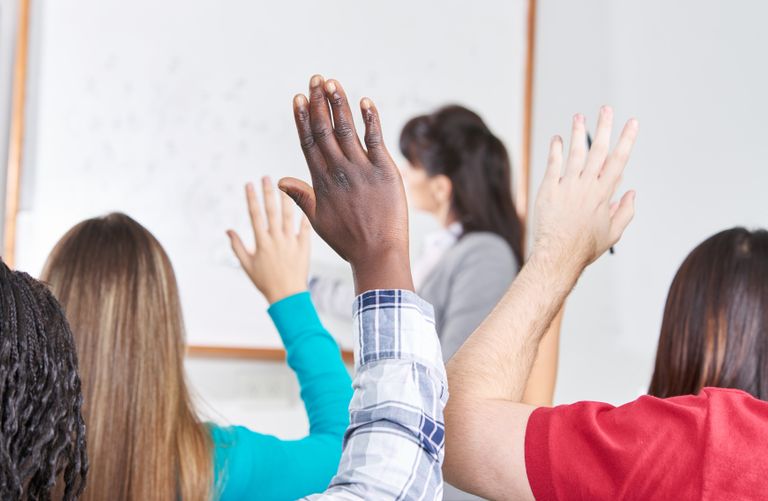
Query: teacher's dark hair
{"type": "Point", "coordinates": [715, 326]}
{"type": "Point", "coordinates": [42, 433]}
{"type": "Point", "coordinates": [455, 142]}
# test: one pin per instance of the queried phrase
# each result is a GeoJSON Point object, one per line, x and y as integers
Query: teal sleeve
{"type": "Point", "coordinates": [250, 465]}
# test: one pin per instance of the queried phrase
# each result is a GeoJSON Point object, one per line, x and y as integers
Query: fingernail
{"type": "Point", "coordinates": [330, 87]}
{"type": "Point", "coordinates": [578, 118]}
{"type": "Point", "coordinates": [366, 103]}
{"type": "Point", "coordinates": [316, 81]}
{"type": "Point", "coordinates": [606, 110]}
{"type": "Point", "coordinates": [300, 101]}
{"type": "Point", "coordinates": [266, 181]}
{"type": "Point", "coordinates": [634, 123]}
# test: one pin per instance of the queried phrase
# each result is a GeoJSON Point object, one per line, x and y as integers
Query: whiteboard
{"type": "Point", "coordinates": [163, 110]}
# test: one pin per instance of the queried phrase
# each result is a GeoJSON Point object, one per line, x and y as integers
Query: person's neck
{"type": "Point", "coordinates": [446, 218]}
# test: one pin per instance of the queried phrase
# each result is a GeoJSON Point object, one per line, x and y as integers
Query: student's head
{"type": "Point", "coordinates": [42, 434]}
{"type": "Point", "coordinates": [715, 326]}
{"type": "Point", "coordinates": [459, 171]}
{"type": "Point", "coordinates": [119, 290]}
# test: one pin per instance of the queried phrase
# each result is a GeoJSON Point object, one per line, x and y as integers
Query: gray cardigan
{"type": "Point", "coordinates": [466, 284]}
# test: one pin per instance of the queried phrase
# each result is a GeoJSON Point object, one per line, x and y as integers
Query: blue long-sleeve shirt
{"type": "Point", "coordinates": [251, 465]}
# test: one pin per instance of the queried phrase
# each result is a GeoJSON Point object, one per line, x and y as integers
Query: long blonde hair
{"type": "Point", "coordinates": [119, 291]}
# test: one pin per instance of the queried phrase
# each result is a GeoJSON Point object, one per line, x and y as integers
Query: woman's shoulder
{"type": "Point", "coordinates": [485, 244]}
{"type": "Point", "coordinates": [478, 257]}
{"type": "Point", "coordinates": [479, 253]}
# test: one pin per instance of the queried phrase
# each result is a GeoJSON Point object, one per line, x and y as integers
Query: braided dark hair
{"type": "Point", "coordinates": [456, 142]}
{"type": "Point", "coordinates": [42, 433]}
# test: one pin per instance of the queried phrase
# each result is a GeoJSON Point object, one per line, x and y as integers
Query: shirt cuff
{"type": "Point", "coordinates": [295, 315]}
{"type": "Point", "coordinates": [396, 324]}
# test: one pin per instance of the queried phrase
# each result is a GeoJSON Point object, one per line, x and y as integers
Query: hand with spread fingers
{"type": "Point", "coordinates": [576, 220]}
{"type": "Point", "coordinates": [279, 264]}
{"type": "Point", "coordinates": [357, 201]}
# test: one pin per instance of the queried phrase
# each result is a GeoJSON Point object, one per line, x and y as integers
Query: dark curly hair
{"type": "Point", "coordinates": [42, 433]}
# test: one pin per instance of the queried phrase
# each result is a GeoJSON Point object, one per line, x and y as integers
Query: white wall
{"type": "Point", "coordinates": [693, 72]}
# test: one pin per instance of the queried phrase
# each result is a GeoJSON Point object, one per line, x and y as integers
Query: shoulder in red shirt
{"type": "Point", "coordinates": [710, 446]}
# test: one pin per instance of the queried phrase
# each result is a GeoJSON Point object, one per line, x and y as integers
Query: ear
{"type": "Point", "coordinates": [441, 188]}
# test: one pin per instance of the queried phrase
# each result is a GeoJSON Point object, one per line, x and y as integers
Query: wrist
{"type": "Point", "coordinates": [559, 270]}
{"type": "Point", "coordinates": [386, 270]}
{"type": "Point", "coordinates": [276, 295]}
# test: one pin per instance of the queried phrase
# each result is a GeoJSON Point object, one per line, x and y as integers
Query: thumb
{"type": "Point", "coordinates": [622, 215]}
{"type": "Point", "coordinates": [301, 193]}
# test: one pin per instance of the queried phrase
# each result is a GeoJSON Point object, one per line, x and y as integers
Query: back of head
{"type": "Point", "coordinates": [42, 434]}
{"type": "Point", "coordinates": [715, 326]}
{"type": "Point", "coordinates": [118, 288]}
{"type": "Point", "coordinates": [455, 142]}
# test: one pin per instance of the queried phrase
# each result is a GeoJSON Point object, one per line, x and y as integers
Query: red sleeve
{"type": "Point", "coordinates": [691, 447]}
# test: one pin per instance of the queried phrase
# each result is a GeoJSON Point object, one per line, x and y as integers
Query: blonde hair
{"type": "Point", "coordinates": [119, 291]}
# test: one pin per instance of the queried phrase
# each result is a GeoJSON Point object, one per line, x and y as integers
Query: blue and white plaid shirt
{"type": "Point", "coordinates": [394, 446]}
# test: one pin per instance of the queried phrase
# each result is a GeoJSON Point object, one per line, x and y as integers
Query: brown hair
{"type": "Point", "coordinates": [118, 288]}
{"type": "Point", "coordinates": [715, 327]}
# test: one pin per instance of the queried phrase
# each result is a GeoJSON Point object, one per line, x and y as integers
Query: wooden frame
{"type": "Point", "coordinates": [272, 354]}
{"type": "Point", "coordinates": [16, 140]}
{"type": "Point", "coordinates": [524, 183]}
{"type": "Point", "coordinates": [15, 163]}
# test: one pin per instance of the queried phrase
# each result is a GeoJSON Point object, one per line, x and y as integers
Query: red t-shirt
{"type": "Point", "coordinates": [711, 446]}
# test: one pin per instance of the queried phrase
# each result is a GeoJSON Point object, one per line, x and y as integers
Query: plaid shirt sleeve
{"type": "Point", "coordinates": [394, 446]}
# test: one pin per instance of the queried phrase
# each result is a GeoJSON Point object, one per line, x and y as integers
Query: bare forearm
{"type": "Point", "coordinates": [576, 223]}
{"type": "Point", "coordinates": [496, 360]}
{"type": "Point", "coordinates": [540, 387]}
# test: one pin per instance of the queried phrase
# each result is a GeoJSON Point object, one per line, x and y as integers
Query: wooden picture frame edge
{"type": "Point", "coordinates": [16, 133]}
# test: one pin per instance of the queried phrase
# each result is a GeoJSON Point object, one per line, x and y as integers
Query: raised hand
{"type": "Point", "coordinates": [357, 201]}
{"type": "Point", "coordinates": [576, 220]}
{"type": "Point", "coordinates": [279, 264]}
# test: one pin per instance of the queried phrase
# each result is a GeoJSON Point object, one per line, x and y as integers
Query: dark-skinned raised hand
{"type": "Point", "coordinates": [357, 201]}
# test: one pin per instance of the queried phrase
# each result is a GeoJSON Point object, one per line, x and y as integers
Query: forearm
{"type": "Point", "coordinates": [314, 356]}
{"type": "Point", "coordinates": [540, 388]}
{"type": "Point", "coordinates": [394, 445]}
{"type": "Point", "coordinates": [496, 360]}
